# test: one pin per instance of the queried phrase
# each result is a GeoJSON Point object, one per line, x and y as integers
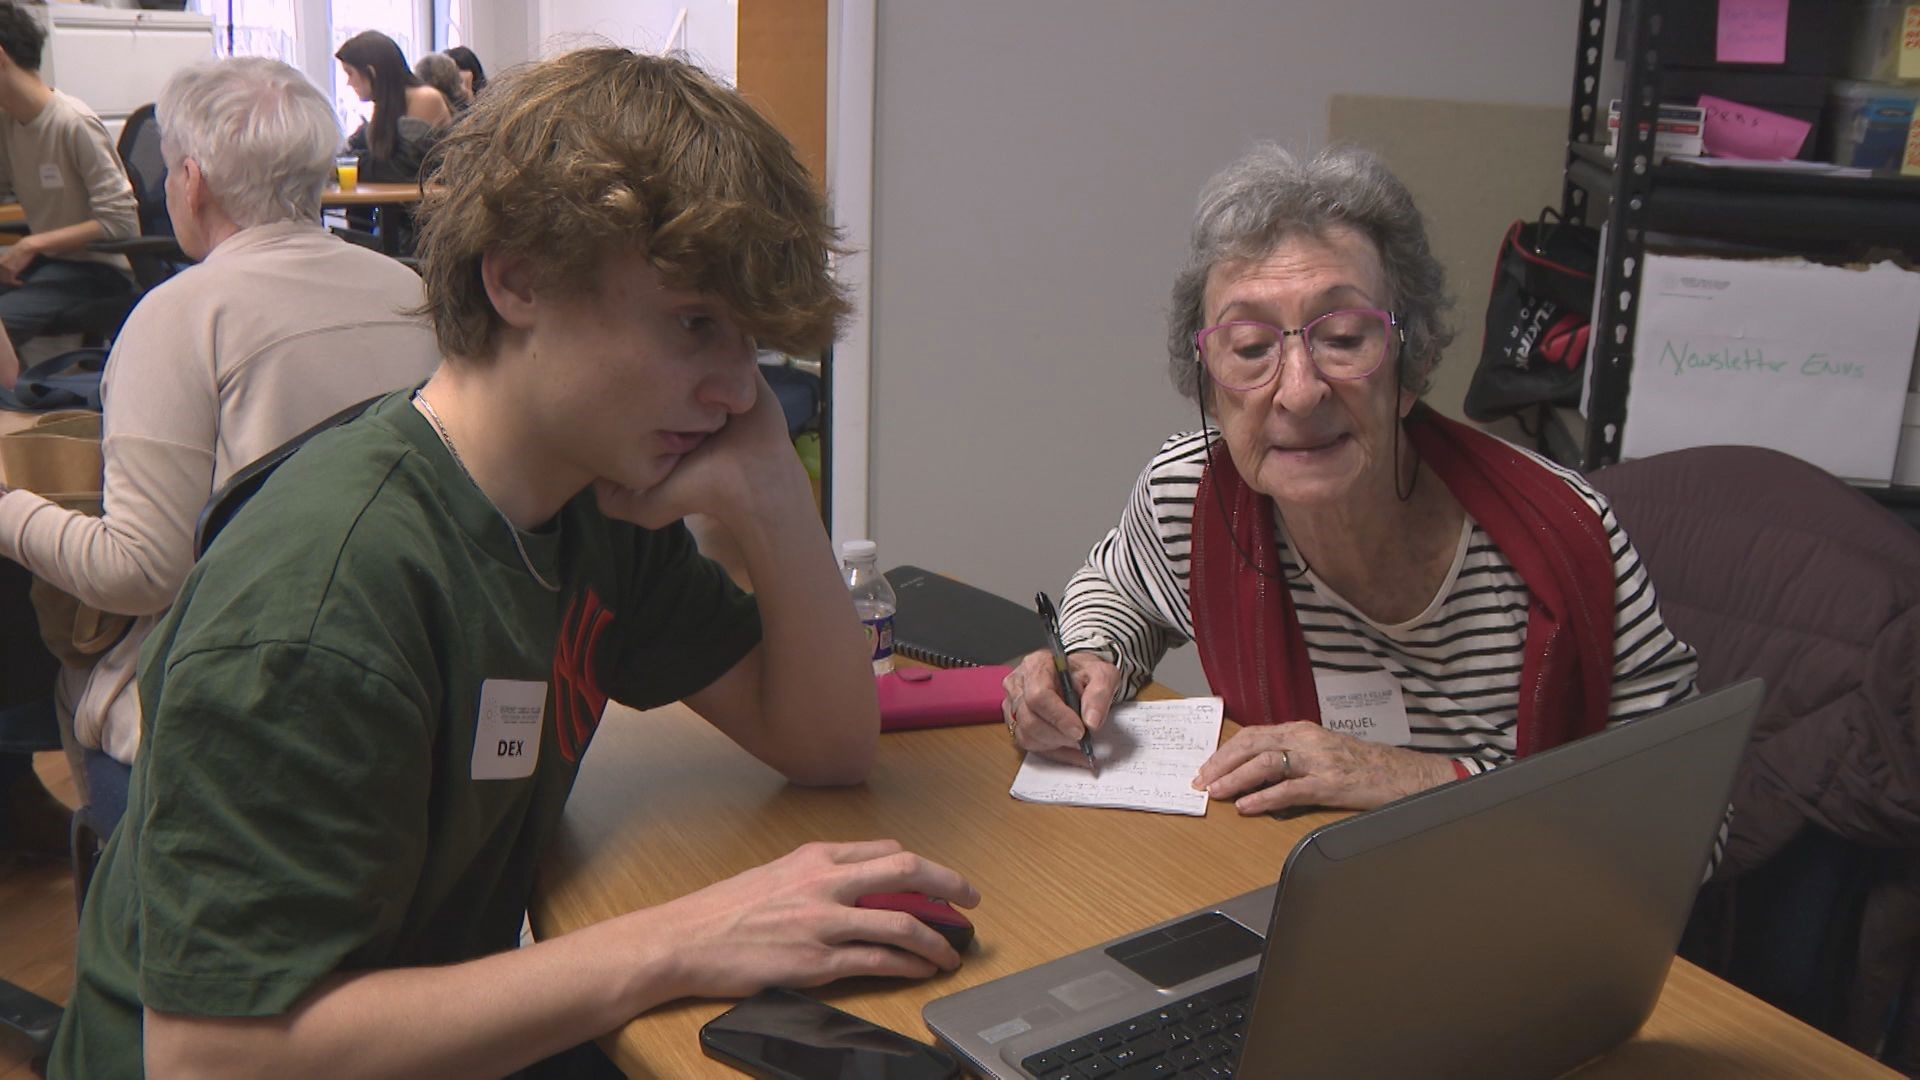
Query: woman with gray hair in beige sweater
{"type": "Point", "coordinates": [280, 326]}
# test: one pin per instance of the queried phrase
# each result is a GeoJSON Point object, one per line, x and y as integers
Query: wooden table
{"type": "Point", "coordinates": [379, 197]}
{"type": "Point", "coordinates": [382, 198]}
{"type": "Point", "coordinates": [665, 804]}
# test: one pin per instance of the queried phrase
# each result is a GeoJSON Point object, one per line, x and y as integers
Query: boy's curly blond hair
{"type": "Point", "coordinates": [570, 160]}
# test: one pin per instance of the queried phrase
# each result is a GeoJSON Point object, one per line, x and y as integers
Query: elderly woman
{"type": "Point", "coordinates": [281, 325]}
{"type": "Point", "coordinates": [1389, 600]}
{"type": "Point", "coordinates": [440, 72]}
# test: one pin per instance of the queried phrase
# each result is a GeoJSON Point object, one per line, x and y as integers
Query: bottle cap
{"type": "Point", "coordinates": [859, 549]}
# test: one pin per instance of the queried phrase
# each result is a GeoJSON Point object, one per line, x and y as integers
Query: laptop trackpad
{"type": "Point", "coordinates": [1186, 950]}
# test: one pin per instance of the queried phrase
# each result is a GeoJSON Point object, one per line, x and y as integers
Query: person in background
{"type": "Point", "coordinates": [1326, 538]}
{"type": "Point", "coordinates": [440, 72]}
{"type": "Point", "coordinates": [66, 175]}
{"type": "Point", "coordinates": [406, 111]}
{"type": "Point", "coordinates": [366, 709]}
{"type": "Point", "coordinates": [472, 76]}
{"type": "Point", "coordinates": [408, 116]}
{"type": "Point", "coordinates": [280, 325]}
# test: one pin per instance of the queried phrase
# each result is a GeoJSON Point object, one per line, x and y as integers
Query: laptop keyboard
{"type": "Point", "coordinates": [1198, 1036]}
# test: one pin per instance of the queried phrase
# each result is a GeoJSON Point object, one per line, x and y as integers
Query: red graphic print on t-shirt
{"type": "Point", "coordinates": [578, 700]}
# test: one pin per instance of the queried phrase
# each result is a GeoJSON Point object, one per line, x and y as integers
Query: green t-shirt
{"type": "Point", "coordinates": [327, 706]}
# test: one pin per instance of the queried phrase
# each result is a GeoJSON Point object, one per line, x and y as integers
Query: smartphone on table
{"type": "Point", "coordinates": [783, 1035]}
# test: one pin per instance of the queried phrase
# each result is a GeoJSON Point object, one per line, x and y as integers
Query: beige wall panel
{"type": "Point", "coordinates": [1473, 168]}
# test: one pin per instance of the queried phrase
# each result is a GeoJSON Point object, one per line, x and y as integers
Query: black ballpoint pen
{"type": "Point", "coordinates": [1067, 692]}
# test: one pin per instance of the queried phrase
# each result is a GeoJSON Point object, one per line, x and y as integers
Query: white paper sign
{"type": "Point", "coordinates": [1808, 359]}
{"type": "Point", "coordinates": [506, 739]}
{"type": "Point", "coordinates": [1364, 704]}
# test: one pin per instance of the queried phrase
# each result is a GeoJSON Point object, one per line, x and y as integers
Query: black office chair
{"type": "Point", "coordinates": [371, 241]}
{"type": "Point", "coordinates": [154, 255]}
{"type": "Point", "coordinates": [246, 483]}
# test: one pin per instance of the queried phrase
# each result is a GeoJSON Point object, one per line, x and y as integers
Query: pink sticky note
{"type": "Point", "coordinates": [1741, 131]}
{"type": "Point", "coordinates": [1752, 32]}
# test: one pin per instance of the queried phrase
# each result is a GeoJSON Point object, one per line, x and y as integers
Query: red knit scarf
{"type": "Point", "coordinates": [1249, 637]}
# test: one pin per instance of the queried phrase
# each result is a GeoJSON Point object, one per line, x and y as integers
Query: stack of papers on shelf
{"type": "Point", "coordinates": [1803, 168]}
{"type": "Point", "coordinates": [1812, 360]}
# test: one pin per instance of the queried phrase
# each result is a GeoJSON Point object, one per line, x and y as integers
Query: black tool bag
{"type": "Point", "coordinates": [1535, 349]}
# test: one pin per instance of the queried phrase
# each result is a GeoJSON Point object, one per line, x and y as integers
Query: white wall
{"type": "Point", "coordinates": [711, 26]}
{"type": "Point", "coordinates": [503, 34]}
{"type": "Point", "coordinates": [1035, 164]}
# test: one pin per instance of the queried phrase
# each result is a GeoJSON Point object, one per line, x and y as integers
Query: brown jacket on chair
{"type": "Point", "coordinates": [1771, 567]}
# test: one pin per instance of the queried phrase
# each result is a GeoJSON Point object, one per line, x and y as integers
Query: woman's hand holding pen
{"type": "Point", "coordinates": [1041, 721]}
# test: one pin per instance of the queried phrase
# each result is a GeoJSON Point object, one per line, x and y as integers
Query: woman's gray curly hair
{"type": "Point", "coordinates": [1269, 196]}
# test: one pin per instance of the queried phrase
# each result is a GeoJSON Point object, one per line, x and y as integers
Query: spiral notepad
{"type": "Point", "coordinates": [949, 624]}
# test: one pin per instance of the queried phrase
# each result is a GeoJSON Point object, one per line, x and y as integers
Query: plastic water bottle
{"type": "Point", "coordinates": [873, 598]}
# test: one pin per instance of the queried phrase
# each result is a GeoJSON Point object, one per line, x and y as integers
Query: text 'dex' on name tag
{"type": "Point", "coordinates": [1365, 704]}
{"type": "Point", "coordinates": [506, 738]}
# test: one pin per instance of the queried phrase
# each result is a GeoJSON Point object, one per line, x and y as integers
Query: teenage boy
{"type": "Point", "coordinates": [66, 175]}
{"type": "Point", "coordinates": [325, 857]}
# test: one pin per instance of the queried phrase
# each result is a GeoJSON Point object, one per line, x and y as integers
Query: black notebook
{"type": "Point", "coordinates": [946, 623]}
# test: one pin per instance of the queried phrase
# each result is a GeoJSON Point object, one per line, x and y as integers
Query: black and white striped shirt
{"type": "Point", "coordinates": [1457, 662]}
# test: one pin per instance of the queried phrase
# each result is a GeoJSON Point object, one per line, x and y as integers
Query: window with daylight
{"type": "Point", "coordinates": [255, 28]}
{"type": "Point", "coordinates": [450, 21]}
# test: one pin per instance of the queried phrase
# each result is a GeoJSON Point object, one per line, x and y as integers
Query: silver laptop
{"type": "Point", "coordinates": [1514, 925]}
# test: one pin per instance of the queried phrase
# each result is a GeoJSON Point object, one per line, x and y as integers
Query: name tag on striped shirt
{"type": "Point", "coordinates": [1364, 704]}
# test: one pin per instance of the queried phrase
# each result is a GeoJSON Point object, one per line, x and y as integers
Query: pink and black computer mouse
{"type": "Point", "coordinates": [933, 911]}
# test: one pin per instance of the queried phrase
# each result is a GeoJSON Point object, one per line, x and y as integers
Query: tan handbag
{"type": "Point", "coordinates": [57, 456]}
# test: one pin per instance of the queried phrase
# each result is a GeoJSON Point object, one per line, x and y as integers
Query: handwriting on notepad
{"type": "Point", "coordinates": [1165, 738]}
{"type": "Point", "coordinates": [1148, 752]}
{"type": "Point", "coordinates": [1117, 795]}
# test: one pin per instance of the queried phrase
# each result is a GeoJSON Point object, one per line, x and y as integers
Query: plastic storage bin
{"type": "Point", "coordinates": [1867, 122]}
{"type": "Point", "coordinates": [1877, 31]}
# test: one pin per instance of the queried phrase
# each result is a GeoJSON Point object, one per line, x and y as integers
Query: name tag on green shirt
{"type": "Point", "coordinates": [506, 742]}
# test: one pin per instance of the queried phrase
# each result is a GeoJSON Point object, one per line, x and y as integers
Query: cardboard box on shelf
{"type": "Point", "coordinates": [1677, 131]}
{"type": "Point", "coordinates": [1886, 40]}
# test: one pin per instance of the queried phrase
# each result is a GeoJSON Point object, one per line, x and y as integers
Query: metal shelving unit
{"type": "Point", "coordinates": [1805, 214]}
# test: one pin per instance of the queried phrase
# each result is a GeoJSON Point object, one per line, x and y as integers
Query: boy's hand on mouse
{"type": "Point", "coordinates": [1038, 716]}
{"type": "Point", "coordinates": [792, 922]}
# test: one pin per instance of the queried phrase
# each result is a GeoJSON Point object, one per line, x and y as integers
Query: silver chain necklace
{"type": "Point", "coordinates": [426, 409]}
